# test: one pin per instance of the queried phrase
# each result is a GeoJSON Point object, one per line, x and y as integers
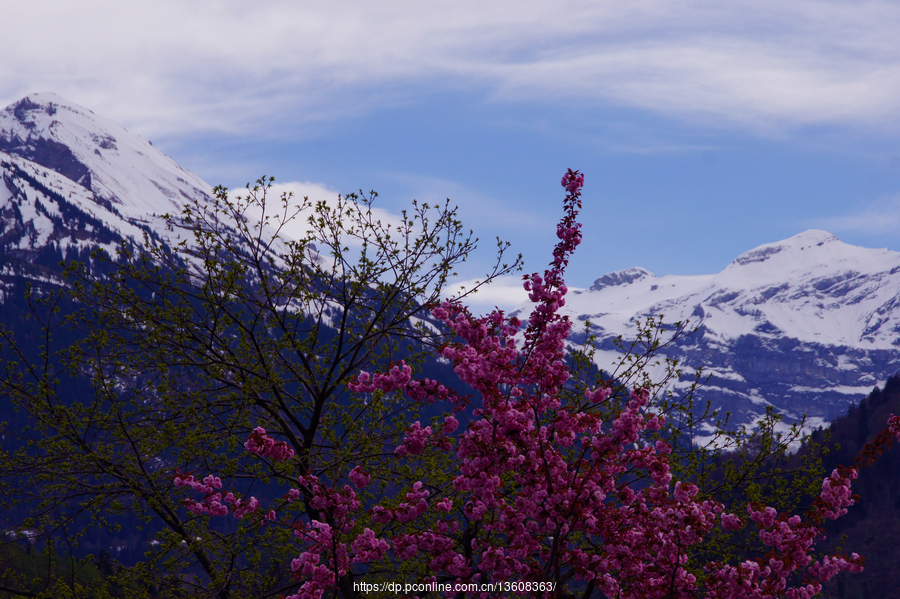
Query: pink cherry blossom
{"type": "Point", "coordinates": [359, 477]}
{"type": "Point", "coordinates": [261, 444]}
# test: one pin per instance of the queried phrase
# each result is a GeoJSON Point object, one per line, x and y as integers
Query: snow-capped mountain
{"type": "Point", "coordinates": [51, 147]}
{"type": "Point", "coordinates": [73, 181]}
{"type": "Point", "coordinates": [125, 173]}
{"type": "Point", "coordinates": [808, 324]}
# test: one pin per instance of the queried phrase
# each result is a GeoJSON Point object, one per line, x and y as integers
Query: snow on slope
{"type": "Point", "coordinates": [71, 182]}
{"type": "Point", "coordinates": [811, 287]}
{"type": "Point", "coordinates": [36, 210]}
{"type": "Point", "coordinates": [124, 172]}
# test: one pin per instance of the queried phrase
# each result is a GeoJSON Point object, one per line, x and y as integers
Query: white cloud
{"type": "Point", "coordinates": [505, 293]}
{"type": "Point", "coordinates": [881, 217]}
{"type": "Point", "coordinates": [172, 66]}
{"type": "Point", "coordinates": [295, 193]}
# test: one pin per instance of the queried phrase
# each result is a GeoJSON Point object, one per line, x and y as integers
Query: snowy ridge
{"type": "Point", "coordinates": [118, 167]}
{"type": "Point", "coordinates": [811, 287]}
{"type": "Point", "coordinates": [807, 324]}
{"type": "Point", "coordinates": [41, 218]}
{"type": "Point", "coordinates": [74, 182]}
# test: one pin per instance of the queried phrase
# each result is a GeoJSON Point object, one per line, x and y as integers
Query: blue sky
{"type": "Point", "coordinates": [704, 128]}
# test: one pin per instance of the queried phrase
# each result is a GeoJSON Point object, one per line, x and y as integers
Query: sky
{"type": "Point", "coordinates": [703, 128]}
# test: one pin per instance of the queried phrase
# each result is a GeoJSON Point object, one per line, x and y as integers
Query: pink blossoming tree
{"type": "Point", "coordinates": [544, 493]}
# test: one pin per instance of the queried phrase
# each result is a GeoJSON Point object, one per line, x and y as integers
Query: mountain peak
{"type": "Point", "coordinates": [24, 132]}
{"type": "Point", "coordinates": [802, 325]}
{"type": "Point", "coordinates": [621, 277]}
{"type": "Point", "coordinates": [44, 102]}
{"type": "Point", "coordinates": [119, 168]}
{"type": "Point", "coordinates": [36, 114]}
{"type": "Point", "coordinates": [812, 238]}
{"type": "Point", "coordinates": [73, 181]}
{"type": "Point", "coordinates": [812, 287]}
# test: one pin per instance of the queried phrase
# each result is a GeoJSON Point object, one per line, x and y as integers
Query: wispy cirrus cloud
{"type": "Point", "coordinates": [881, 217]}
{"type": "Point", "coordinates": [763, 66]}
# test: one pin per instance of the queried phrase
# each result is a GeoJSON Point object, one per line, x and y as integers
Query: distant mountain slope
{"type": "Point", "coordinates": [807, 324]}
{"type": "Point", "coordinates": [73, 182]}
{"type": "Point", "coordinates": [121, 170]}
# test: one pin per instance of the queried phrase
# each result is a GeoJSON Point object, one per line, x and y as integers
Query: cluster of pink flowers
{"type": "Point", "coordinates": [395, 378]}
{"type": "Point", "coordinates": [415, 440]}
{"type": "Point", "coordinates": [325, 557]}
{"type": "Point", "coordinates": [894, 425]}
{"type": "Point", "coordinates": [359, 477]}
{"type": "Point", "coordinates": [545, 490]}
{"type": "Point", "coordinates": [573, 181]}
{"type": "Point", "coordinates": [792, 540]}
{"type": "Point", "coordinates": [430, 391]}
{"type": "Point", "coordinates": [215, 503]}
{"type": "Point", "coordinates": [261, 444]}
{"type": "Point", "coordinates": [209, 484]}
{"type": "Point", "coordinates": [314, 565]}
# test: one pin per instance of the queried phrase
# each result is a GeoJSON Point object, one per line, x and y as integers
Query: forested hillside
{"type": "Point", "coordinates": [871, 527]}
